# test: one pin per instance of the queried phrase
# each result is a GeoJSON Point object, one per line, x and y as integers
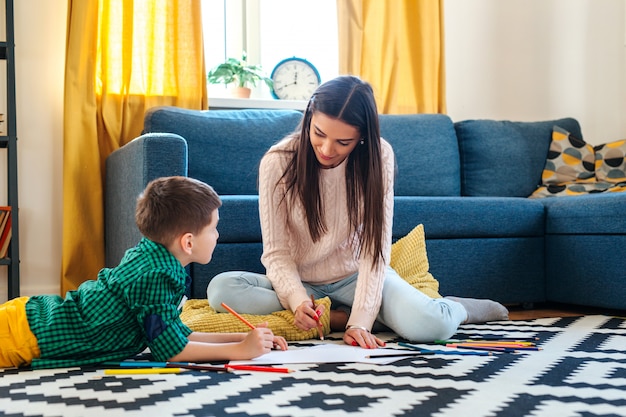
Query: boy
{"type": "Point", "coordinates": [136, 304]}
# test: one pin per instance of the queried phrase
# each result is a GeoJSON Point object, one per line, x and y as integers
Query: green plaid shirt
{"type": "Point", "coordinates": [128, 308]}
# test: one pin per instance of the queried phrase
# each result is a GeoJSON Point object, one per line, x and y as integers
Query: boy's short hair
{"type": "Point", "coordinates": [171, 206]}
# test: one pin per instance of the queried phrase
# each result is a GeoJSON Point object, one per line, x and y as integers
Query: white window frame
{"type": "Point", "coordinates": [244, 14]}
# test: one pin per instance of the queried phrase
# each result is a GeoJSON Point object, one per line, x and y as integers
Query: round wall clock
{"type": "Point", "coordinates": [294, 79]}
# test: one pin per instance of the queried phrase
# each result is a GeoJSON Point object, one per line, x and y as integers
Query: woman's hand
{"type": "Point", "coordinates": [305, 318]}
{"type": "Point", "coordinates": [356, 336]}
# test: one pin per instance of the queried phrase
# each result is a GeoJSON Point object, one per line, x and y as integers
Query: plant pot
{"type": "Point", "coordinates": [241, 92]}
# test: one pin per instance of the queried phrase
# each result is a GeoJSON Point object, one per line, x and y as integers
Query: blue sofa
{"type": "Point", "coordinates": [467, 182]}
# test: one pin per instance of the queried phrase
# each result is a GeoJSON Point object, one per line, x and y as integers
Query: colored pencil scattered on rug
{"type": "Point", "coordinates": [508, 345]}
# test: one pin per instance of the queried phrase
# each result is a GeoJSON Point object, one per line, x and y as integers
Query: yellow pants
{"type": "Point", "coordinates": [18, 345]}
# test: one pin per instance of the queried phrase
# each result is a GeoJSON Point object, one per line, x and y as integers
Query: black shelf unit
{"type": "Point", "coordinates": [9, 144]}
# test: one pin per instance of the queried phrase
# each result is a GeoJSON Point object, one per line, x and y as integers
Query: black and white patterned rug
{"type": "Point", "coordinates": [581, 371]}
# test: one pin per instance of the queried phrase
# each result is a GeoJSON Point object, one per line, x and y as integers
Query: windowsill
{"type": "Point", "coordinates": [217, 103]}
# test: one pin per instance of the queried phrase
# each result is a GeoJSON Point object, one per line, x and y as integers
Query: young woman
{"type": "Point", "coordinates": [326, 208]}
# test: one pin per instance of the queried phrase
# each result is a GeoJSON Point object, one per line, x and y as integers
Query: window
{"type": "Point", "coordinates": [270, 31]}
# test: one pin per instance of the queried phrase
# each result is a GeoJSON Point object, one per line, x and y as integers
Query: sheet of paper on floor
{"type": "Point", "coordinates": [324, 353]}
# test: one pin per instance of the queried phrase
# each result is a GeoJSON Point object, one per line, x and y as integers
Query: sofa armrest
{"type": "Point", "coordinates": [128, 170]}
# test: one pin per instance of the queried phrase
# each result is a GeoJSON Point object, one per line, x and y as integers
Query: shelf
{"type": "Point", "coordinates": [8, 141]}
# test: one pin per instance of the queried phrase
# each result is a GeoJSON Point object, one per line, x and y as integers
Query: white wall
{"type": "Point", "coordinates": [40, 55]}
{"type": "Point", "coordinates": [538, 60]}
{"type": "Point", "coordinates": [514, 59]}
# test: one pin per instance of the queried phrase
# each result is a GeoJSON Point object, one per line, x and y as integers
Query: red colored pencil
{"type": "Point", "coordinates": [258, 368]}
{"type": "Point", "coordinates": [319, 325]}
{"type": "Point", "coordinates": [234, 313]}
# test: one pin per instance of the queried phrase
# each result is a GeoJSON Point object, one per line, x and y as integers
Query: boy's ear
{"type": "Point", "coordinates": [186, 243]}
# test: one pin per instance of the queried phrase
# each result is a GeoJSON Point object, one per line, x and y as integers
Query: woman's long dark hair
{"type": "Point", "coordinates": [350, 100]}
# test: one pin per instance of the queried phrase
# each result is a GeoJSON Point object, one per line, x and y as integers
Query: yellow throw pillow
{"type": "Point", "coordinates": [409, 260]}
{"type": "Point", "coordinates": [199, 316]}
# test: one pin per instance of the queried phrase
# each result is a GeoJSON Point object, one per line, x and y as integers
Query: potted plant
{"type": "Point", "coordinates": [238, 72]}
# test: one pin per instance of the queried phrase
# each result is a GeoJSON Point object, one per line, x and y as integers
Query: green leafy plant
{"type": "Point", "coordinates": [239, 72]}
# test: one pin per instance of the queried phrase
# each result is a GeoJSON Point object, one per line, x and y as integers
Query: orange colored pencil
{"type": "Point", "coordinates": [487, 344]}
{"type": "Point", "coordinates": [319, 325]}
{"type": "Point", "coordinates": [493, 349]}
{"type": "Point", "coordinates": [234, 313]}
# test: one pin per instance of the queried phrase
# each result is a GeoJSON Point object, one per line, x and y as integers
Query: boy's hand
{"type": "Point", "coordinates": [258, 341]}
{"type": "Point", "coordinates": [279, 342]}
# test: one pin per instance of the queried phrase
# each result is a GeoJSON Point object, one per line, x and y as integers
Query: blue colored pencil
{"type": "Point", "coordinates": [184, 365]}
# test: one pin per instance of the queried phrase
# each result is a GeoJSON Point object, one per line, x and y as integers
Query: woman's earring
{"type": "Point", "coordinates": [362, 141]}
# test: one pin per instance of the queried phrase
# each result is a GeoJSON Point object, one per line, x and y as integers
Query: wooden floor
{"type": "Point", "coordinates": [517, 312]}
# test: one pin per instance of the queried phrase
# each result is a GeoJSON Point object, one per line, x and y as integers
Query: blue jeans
{"type": "Point", "coordinates": [405, 310]}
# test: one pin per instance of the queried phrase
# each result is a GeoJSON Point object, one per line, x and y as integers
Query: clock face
{"type": "Point", "coordinates": [294, 79]}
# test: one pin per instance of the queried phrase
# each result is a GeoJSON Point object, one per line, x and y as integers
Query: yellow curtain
{"type": "Point", "coordinates": [122, 57]}
{"type": "Point", "coordinates": [398, 47]}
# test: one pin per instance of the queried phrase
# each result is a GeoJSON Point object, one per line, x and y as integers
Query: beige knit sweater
{"type": "Point", "coordinates": [291, 257]}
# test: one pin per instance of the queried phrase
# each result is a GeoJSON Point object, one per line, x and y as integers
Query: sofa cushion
{"type": "Point", "coordinates": [469, 217]}
{"type": "Point", "coordinates": [427, 154]}
{"type": "Point", "coordinates": [505, 158]}
{"type": "Point", "coordinates": [591, 214]}
{"type": "Point", "coordinates": [225, 146]}
{"type": "Point", "coordinates": [239, 219]}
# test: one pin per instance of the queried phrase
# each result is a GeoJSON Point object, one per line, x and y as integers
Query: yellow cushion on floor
{"type": "Point", "coordinates": [409, 260]}
{"type": "Point", "coordinates": [201, 317]}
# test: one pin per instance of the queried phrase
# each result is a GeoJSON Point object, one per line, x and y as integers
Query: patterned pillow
{"type": "Point", "coordinates": [575, 188]}
{"type": "Point", "coordinates": [611, 162]}
{"type": "Point", "coordinates": [409, 260]}
{"type": "Point", "coordinates": [568, 170]}
{"type": "Point", "coordinates": [569, 159]}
